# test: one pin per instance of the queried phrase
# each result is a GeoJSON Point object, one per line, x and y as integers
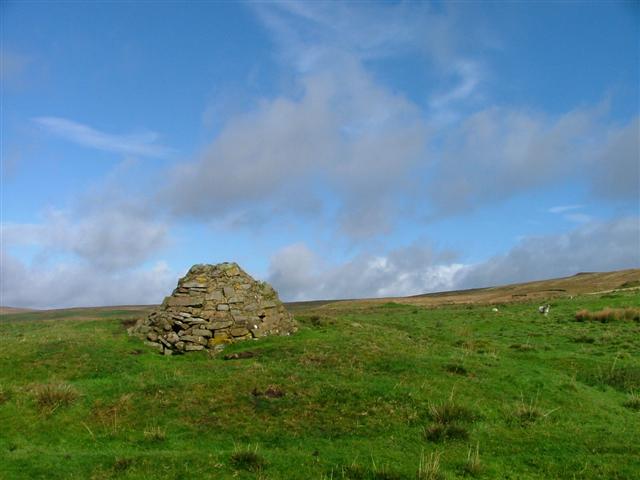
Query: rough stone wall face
{"type": "Point", "coordinates": [214, 305]}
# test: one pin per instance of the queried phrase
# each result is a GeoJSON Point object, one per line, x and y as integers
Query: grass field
{"type": "Point", "coordinates": [366, 391]}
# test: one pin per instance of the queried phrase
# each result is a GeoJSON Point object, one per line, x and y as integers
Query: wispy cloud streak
{"type": "Point", "coordinates": [143, 144]}
{"type": "Point", "coordinates": [565, 208]}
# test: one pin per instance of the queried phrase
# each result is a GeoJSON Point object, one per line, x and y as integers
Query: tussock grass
{"type": "Point", "coordinates": [527, 413]}
{"type": "Point", "coordinates": [316, 321]}
{"type": "Point", "coordinates": [110, 415]}
{"type": "Point", "coordinates": [449, 419]}
{"type": "Point", "coordinates": [606, 315]}
{"type": "Point", "coordinates": [5, 394]}
{"type": "Point", "coordinates": [356, 471]}
{"type": "Point", "coordinates": [633, 402]}
{"type": "Point", "coordinates": [620, 377]}
{"type": "Point", "coordinates": [247, 458]}
{"type": "Point", "coordinates": [429, 467]}
{"type": "Point", "coordinates": [50, 397]}
{"type": "Point", "coordinates": [122, 464]}
{"type": "Point", "coordinates": [449, 412]}
{"type": "Point", "coordinates": [473, 466]}
{"type": "Point", "coordinates": [476, 346]}
{"type": "Point", "coordinates": [155, 433]}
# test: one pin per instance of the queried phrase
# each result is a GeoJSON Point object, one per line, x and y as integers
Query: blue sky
{"type": "Point", "coordinates": [335, 149]}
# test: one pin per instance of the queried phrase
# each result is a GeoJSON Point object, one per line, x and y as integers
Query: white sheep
{"type": "Point", "coordinates": [544, 309]}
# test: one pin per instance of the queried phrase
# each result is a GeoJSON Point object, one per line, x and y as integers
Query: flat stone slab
{"type": "Point", "coordinates": [185, 301]}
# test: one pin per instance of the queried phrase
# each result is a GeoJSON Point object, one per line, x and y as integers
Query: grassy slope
{"type": "Point", "coordinates": [358, 384]}
{"type": "Point", "coordinates": [7, 310]}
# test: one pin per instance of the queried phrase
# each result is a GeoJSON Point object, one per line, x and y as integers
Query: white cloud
{"type": "Point", "coordinates": [96, 253]}
{"type": "Point", "coordinates": [596, 246]}
{"type": "Point", "coordinates": [565, 208]}
{"type": "Point", "coordinates": [498, 153]}
{"type": "Point", "coordinates": [309, 34]}
{"type": "Point", "coordinates": [41, 285]}
{"type": "Point", "coordinates": [143, 144]}
{"type": "Point", "coordinates": [116, 237]}
{"type": "Point", "coordinates": [468, 75]}
{"type": "Point", "coordinates": [344, 134]}
{"type": "Point", "coordinates": [300, 274]}
{"type": "Point", "coordinates": [616, 164]}
{"type": "Point", "coordinates": [569, 213]}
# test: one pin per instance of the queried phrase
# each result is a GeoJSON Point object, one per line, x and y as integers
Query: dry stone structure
{"type": "Point", "coordinates": [214, 305]}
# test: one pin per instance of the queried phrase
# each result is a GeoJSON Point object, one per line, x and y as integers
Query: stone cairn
{"type": "Point", "coordinates": [214, 305]}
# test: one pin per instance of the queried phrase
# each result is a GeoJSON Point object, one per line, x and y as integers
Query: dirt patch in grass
{"type": "Point", "coordinates": [272, 391]}
{"type": "Point", "coordinates": [239, 355]}
{"type": "Point", "coordinates": [128, 322]}
{"type": "Point", "coordinates": [583, 339]}
{"type": "Point", "coordinates": [522, 347]}
{"type": "Point", "coordinates": [456, 369]}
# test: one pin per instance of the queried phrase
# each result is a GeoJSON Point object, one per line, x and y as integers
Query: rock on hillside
{"type": "Point", "coordinates": [214, 305]}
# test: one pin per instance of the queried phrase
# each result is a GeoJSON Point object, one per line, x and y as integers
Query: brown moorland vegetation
{"type": "Point", "coordinates": [605, 315]}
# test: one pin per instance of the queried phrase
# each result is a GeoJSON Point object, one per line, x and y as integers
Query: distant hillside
{"type": "Point", "coordinates": [8, 310]}
{"type": "Point", "coordinates": [578, 284]}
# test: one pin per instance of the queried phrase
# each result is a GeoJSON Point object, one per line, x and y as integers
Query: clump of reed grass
{"type": "Point", "coordinates": [528, 413]}
{"type": "Point", "coordinates": [356, 471]}
{"type": "Point", "coordinates": [633, 402]}
{"type": "Point", "coordinates": [155, 433]}
{"type": "Point", "coordinates": [5, 394]}
{"type": "Point", "coordinates": [247, 458]}
{"type": "Point", "coordinates": [429, 467]}
{"type": "Point", "coordinates": [50, 397]}
{"type": "Point", "coordinates": [606, 315]}
{"type": "Point", "coordinates": [449, 419]}
{"type": "Point", "coordinates": [473, 466]}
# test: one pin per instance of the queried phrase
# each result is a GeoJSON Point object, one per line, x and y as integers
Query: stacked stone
{"type": "Point", "coordinates": [214, 305]}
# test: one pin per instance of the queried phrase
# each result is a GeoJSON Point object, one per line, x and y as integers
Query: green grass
{"type": "Point", "coordinates": [247, 459]}
{"type": "Point", "coordinates": [352, 395]}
